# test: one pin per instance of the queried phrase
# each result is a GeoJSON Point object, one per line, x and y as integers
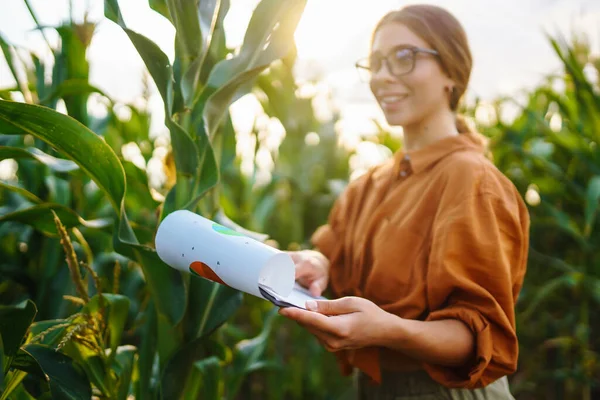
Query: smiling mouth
{"type": "Point", "coordinates": [391, 101]}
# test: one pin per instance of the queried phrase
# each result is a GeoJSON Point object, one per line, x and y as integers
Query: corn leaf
{"type": "Point", "coordinates": [54, 163]}
{"type": "Point", "coordinates": [101, 164]}
{"type": "Point", "coordinates": [592, 202]}
{"type": "Point", "coordinates": [67, 380]}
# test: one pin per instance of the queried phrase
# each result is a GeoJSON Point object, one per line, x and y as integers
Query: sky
{"type": "Point", "coordinates": [507, 38]}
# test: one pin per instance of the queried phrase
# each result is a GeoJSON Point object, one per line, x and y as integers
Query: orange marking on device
{"type": "Point", "coordinates": [203, 270]}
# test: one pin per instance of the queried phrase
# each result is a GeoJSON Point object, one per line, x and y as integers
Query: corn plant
{"type": "Point", "coordinates": [305, 181]}
{"type": "Point", "coordinates": [176, 313]}
{"type": "Point", "coordinates": [550, 151]}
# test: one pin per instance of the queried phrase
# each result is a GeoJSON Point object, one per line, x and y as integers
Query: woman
{"type": "Point", "coordinates": [427, 252]}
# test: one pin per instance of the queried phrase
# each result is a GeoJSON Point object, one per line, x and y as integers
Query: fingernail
{"type": "Point", "coordinates": [311, 305]}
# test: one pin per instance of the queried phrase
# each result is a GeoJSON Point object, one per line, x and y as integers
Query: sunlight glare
{"type": "Point", "coordinates": [8, 169]}
{"type": "Point", "coordinates": [131, 152]}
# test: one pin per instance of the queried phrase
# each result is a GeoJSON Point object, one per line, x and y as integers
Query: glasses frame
{"type": "Point", "coordinates": [360, 64]}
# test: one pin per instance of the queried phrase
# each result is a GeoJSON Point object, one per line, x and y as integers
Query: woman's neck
{"type": "Point", "coordinates": [437, 126]}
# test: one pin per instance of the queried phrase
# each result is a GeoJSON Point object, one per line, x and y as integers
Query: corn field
{"type": "Point", "coordinates": [87, 309]}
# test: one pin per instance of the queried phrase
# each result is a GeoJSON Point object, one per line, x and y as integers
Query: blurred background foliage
{"type": "Point", "coordinates": [81, 195]}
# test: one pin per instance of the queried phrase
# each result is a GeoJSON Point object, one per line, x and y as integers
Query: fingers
{"type": "Point", "coordinates": [304, 269]}
{"type": "Point", "coordinates": [345, 305]}
{"type": "Point", "coordinates": [332, 334]}
{"type": "Point", "coordinates": [309, 273]}
{"type": "Point", "coordinates": [295, 255]}
{"type": "Point", "coordinates": [316, 287]}
{"type": "Point", "coordinates": [331, 342]}
{"type": "Point", "coordinates": [310, 319]}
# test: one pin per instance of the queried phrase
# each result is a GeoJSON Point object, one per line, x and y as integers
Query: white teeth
{"type": "Point", "coordinates": [391, 99]}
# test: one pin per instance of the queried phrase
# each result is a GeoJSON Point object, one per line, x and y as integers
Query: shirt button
{"type": "Point", "coordinates": [403, 173]}
{"type": "Point", "coordinates": [406, 157]}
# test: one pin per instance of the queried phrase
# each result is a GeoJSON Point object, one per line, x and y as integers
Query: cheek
{"type": "Point", "coordinates": [427, 89]}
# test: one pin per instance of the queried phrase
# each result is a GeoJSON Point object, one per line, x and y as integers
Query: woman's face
{"type": "Point", "coordinates": [415, 96]}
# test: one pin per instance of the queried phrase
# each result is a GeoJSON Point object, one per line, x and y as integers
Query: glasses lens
{"type": "Point", "coordinates": [375, 61]}
{"type": "Point", "coordinates": [401, 61]}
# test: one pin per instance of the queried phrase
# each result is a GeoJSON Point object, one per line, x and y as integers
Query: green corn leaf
{"type": "Point", "coordinates": [592, 202]}
{"type": "Point", "coordinates": [161, 7]}
{"type": "Point", "coordinates": [227, 153]}
{"type": "Point", "coordinates": [8, 51]}
{"type": "Point", "coordinates": [72, 56]}
{"type": "Point", "coordinates": [72, 139]}
{"type": "Point", "coordinates": [184, 149]}
{"type": "Point", "coordinates": [13, 379]}
{"type": "Point", "coordinates": [24, 362]}
{"type": "Point", "coordinates": [71, 87]}
{"type": "Point", "coordinates": [206, 380]}
{"type": "Point", "coordinates": [248, 356]}
{"type": "Point", "coordinates": [269, 37]}
{"type": "Point", "coordinates": [208, 14]}
{"type": "Point", "coordinates": [147, 351]}
{"type": "Point", "coordinates": [21, 191]}
{"type": "Point", "coordinates": [210, 305]}
{"type": "Point", "coordinates": [138, 193]}
{"type": "Point", "coordinates": [123, 366]}
{"type": "Point", "coordinates": [546, 291]}
{"type": "Point", "coordinates": [93, 365]}
{"type": "Point", "coordinates": [155, 59]}
{"type": "Point", "coordinates": [187, 193]}
{"type": "Point", "coordinates": [217, 48]}
{"type": "Point", "coordinates": [3, 360]}
{"type": "Point", "coordinates": [67, 380]}
{"type": "Point", "coordinates": [14, 322]}
{"type": "Point", "coordinates": [158, 65]}
{"type": "Point", "coordinates": [40, 217]}
{"type": "Point", "coordinates": [101, 164]}
{"type": "Point", "coordinates": [59, 190]}
{"type": "Point", "coordinates": [180, 368]}
{"type": "Point", "coordinates": [564, 222]}
{"type": "Point", "coordinates": [54, 163]}
{"type": "Point", "coordinates": [185, 19]}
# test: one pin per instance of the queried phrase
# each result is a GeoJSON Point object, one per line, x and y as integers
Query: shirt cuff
{"type": "Point", "coordinates": [471, 375]}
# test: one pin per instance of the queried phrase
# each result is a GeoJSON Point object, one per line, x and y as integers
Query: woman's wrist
{"type": "Point", "coordinates": [392, 332]}
{"type": "Point", "coordinates": [445, 342]}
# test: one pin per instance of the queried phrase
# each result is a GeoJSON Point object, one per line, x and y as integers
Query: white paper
{"type": "Point", "coordinates": [185, 240]}
{"type": "Point", "coordinates": [298, 297]}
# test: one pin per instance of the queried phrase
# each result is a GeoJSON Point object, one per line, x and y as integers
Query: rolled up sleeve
{"type": "Point", "coordinates": [476, 269]}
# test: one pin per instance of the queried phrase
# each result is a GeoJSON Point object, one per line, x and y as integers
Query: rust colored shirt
{"type": "Point", "coordinates": [438, 233]}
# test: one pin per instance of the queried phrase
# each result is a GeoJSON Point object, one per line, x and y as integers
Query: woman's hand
{"type": "Point", "coordinates": [312, 270]}
{"type": "Point", "coordinates": [346, 323]}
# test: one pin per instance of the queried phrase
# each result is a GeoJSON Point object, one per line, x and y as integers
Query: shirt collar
{"type": "Point", "coordinates": [424, 158]}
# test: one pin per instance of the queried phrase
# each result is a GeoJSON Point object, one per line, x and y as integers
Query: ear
{"type": "Point", "coordinates": [449, 85]}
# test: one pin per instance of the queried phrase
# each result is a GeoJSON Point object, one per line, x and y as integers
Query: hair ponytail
{"type": "Point", "coordinates": [462, 126]}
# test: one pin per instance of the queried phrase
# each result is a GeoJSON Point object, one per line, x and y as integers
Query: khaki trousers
{"type": "Point", "coordinates": [417, 385]}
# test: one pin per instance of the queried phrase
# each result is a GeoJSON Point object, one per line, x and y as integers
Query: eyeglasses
{"type": "Point", "coordinates": [400, 61]}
